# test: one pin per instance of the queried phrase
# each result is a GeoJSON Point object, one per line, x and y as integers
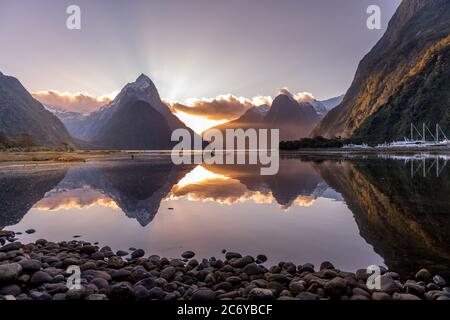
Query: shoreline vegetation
{"type": "Point", "coordinates": [45, 156]}
{"type": "Point", "coordinates": [38, 271]}
{"type": "Point", "coordinates": [38, 156]}
{"type": "Point", "coordinates": [25, 149]}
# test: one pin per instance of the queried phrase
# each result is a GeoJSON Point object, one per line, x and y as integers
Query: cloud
{"type": "Point", "coordinates": [286, 92]}
{"type": "Point", "coordinates": [224, 107]}
{"type": "Point", "coordinates": [228, 107]}
{"type": "Point", "coordinates": [300, 97]}
{"type": "Point", "coordinates": [79, 102]}
{"type": "Point", "coordinates": [80, 198]}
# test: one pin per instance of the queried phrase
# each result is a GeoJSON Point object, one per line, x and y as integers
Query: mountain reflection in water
{"type": "Point", "coordinates": [354, 212]}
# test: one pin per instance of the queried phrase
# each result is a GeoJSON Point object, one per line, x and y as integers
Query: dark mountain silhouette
{"type": "Point", "coordinates": [294, 178]}
{"type": "Point", "coordinates": [294, 119]}
{"type": "Point", "coordinates": [21, 189]}
{"type": "Point", "coordinates": [252, 118]}
{"type": "Point", "coordinates": [135, 119]}
{"type": "Point", "coordinates": [137, 187]}
{"type": "Point", "coordinates": [21, 113]}
{"type": "Point", "coordinates": [405, 78]}
{"type": "Point", "coordinates": [138, 126]}
{"type": "Point", "coordinates": [399, 215]}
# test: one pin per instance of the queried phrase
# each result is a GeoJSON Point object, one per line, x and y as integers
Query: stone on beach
{"type": "Point", "coordinates": [10, 272]}
{"type": "Point", "coordinates": [137, 254]}
{"type": "Point", "coordinates": [38, 272]}
{"type": "Point", "coordinates": [188, 254]}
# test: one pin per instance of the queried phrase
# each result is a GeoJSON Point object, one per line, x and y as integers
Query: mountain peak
{"type": "Point", "coordinates": [143, 78]}
{"type": "Point", "coordinates": [283, 97]}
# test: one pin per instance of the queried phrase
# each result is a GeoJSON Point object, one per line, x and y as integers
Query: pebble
{"type": "Point", "coordinates": [307, 296]}
{"type": "Point", "coordinates": [307, 267]}
{"type": "Point", "coordinates": [405, 296]}
{"type": "Point", "coordinates": [137, 253]}
{"type": "Point", "coordinates": [39, 278]}
{"type": "Point", "coordinates": [203, 294]}
{"type": "Point", "coordinates": [30, 264]}
{"type": "Point", "coordinates": [100, 283]}
{"type": "Point", "coordinates": [97, 297]}
{"type": "Point", "coordinates": [361, 292]}
{"type": "Point", "coordinates": [38, 272]}
{"type": "Point", "coordinates": [251, 269]}
{"type": "Point", "coordinates": [261, 258]}
{"type": "Point", "coordinates": [361, 274]}
{"type": "Point", "coordinates": [11, 246]}
{"type": "Point", "coordinates": [6, 234]}
{"type": "Point", "coordinates": [359, 297]}
{"type": "Point", "coordinates": [10, 272]}
{"type": "Point", "coordinates": [188, 254]}
{"type": "Point", "coordinates": [414, 288]}
{"type": "Point", "coordinates": [296, 287]}
{"type": "Point", "coordinates": [232, 255]}
{"type": "Point", "coordinates": [97, 274]}
{"type": "Point", "coordinates": [40, 296]}
{"type": "Point", "coordinates": [326, 265]}
{"type": "Point", "coordinates": [121, 291]}
{"type": "Point", "coordinates": [168, 272]}
{"type": "Point", "coordinates": [261, 294]}
{"type": "Point", "coordinates": [440, 281]}
{"type": "Point", "coordinates": [423, 275]}
{"type": "Point", "coordinates": [381, 296]}
{"type": "Point", "coordinates": [121, 253]}
{"type": "Point", "coordinates": [388, 284]}
{"type": "Point", "coordinates": [30, 231]}
{"type": "Point", "coordinates": [115, 262]}
{"type": "Point", "coordinates": [156, 293]}
{"type": "Point", "coordinates": [13, 290]}
{"type": "Point", "coordinates": [88, 249]}
{"type": "Point", "coordinates": [140, 292]}
{"type": "Point", "coordinates": [336, 286]}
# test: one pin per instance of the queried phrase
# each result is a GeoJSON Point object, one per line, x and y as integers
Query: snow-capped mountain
{"type": "Point", "coordinates": [135, 119]}
{"type": "Point", "coordinates": [332, 102]}
{"type": "Point", "coordinates": [318, 106]}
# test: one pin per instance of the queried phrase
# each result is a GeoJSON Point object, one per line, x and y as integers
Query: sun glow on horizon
{"type": "Point", "coordinates": [197, 123]}
{"type": "Point", "coordinates": [199, 174]}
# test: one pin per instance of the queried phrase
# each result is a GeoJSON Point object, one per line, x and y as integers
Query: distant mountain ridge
{"type": "Point", "coordinates": [21, 113]}
{"type": "Point", "coordinates": [294, 119]}
{"type": "Point", "coordinates": [135, 119]}
{"type": "Point", "coordinates": [405, 78]}
{"type": "Point", "coordinates": [332, 102]}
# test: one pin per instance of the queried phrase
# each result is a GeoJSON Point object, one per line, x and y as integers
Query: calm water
{"type": "Point", "coordinates": [353, 212]}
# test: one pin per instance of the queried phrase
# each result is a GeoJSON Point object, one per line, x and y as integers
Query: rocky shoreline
{"type": "Point", "coordinates": [38, 271]}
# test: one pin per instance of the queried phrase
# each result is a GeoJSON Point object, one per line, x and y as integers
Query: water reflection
{"type": "Point", "coordinates": [354, 212]}
{"type": "Point", "coordinates": [136, 187]}
{"type": "Point", "coordinates": [406, 218]}
{"type": "Point", "coordinates": [21, 189]}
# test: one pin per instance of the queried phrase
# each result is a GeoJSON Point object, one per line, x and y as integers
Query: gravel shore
{"type": "Point", "coordinates": [38, 271]}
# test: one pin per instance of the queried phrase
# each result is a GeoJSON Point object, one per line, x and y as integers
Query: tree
{"type": "Point", "coordinates": [25, 140]}
{"type": "Point", "coordinates": [5, 142]}
{"type": "Point", "coordinates": [67, 146]}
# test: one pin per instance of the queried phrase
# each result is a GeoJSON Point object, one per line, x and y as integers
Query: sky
{"type": "Point", "coordinates": [191, 49]}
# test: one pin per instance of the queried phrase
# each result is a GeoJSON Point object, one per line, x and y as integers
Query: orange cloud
{"type": "Point", "coordinates": [78, 102]}
{"type": "Point", "coordinates": [223, 107]}
{"type": "Point", "coordinates": [300, 97]}
{"type": "Point", "coordinates": [81, 198]}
